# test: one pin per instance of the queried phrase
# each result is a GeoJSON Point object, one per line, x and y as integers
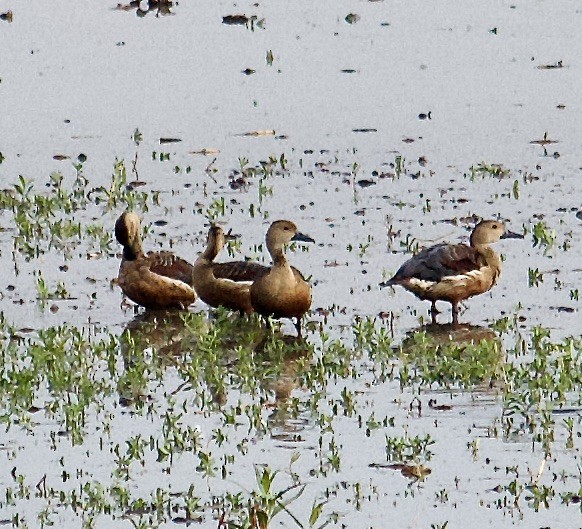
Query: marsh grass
{"type": "Point", "coordinates": [206, 417]}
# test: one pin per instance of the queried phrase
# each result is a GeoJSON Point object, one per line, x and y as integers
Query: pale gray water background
{"type": "Point", "coordinates": [110, 72]}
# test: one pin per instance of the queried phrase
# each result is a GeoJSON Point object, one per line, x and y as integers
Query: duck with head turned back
{"type": "Point", "coordinates": [454, 272]}
{"type": "Point", "coordinates": [283, 291]}
{"type": "Point", "coordinates": [224, 284]}
{"type": "Point", "coordinates": [158, 280]}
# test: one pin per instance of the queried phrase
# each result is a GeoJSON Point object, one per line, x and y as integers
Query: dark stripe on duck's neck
{"type": "Point", "coordinates": [129, 254]}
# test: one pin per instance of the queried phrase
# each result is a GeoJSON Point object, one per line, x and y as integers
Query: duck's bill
{"type": "Point", "coordinates": [512, 235]}
{"type": "Point", "coordinates": [302, 237]}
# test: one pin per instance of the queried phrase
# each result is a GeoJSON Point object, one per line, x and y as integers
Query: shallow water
{"type": "Point", "coordinates": [83, 80]}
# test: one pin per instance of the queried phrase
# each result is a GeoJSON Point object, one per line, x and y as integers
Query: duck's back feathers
{"type": "Point", "coordinates": [438, 262]}
{"type": "Point", "coordinates": [170, 265]}
{"type": "Point", "coordinates": [239, 270]}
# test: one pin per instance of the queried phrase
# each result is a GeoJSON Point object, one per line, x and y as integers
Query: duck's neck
{"type": "Point", "coordinates": [132, 251]}
{"type": "Point", "coordinates": [279, 259]}
{"type": "Point", "coordinates": [211, 251]}
{"type": "Point", "coordinates": [490, 256]}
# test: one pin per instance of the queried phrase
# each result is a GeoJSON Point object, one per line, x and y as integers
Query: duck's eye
{"type": "Point", "coordinates": [495, 226]}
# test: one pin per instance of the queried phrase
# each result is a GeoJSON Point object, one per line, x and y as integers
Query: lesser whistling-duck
{"type": "Point", "coordinates": [158, 280]}
{"type": "Point", "coordinates": [224, 284]}
{"type": "Point", "coordinates": [454, 272]}
{"type": "Point", "coordinates": [283, 291]}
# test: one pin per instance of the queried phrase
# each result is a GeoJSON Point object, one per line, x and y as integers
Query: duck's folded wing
{"type": "Point", "coordinates": [453, 259]}
{"type": "Point", "coordinates": [169, 265]}
{"type": "Point", "coordinates": [239, 270]}
{"type": "Point", "coordinates": [439, 261]}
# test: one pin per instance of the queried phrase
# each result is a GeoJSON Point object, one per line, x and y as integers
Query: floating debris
{"type": "Point", "coordinates": [206, 152]}
{"type": "Point", "coordinates": [366, 183]}
{"type": "Point", "coordinates": [60, 157]}
{"type": "Point", "coordinates": [364, 130]}
{"type": "Point", "coordinates": [235, 20]}
{"type": "Point", "coordinates": [169, 140]}
{"type": "Point", "coordinates": [432, 404]}
{"type": "Point", "coordinates": [143, 7]}
{"type": "Point", "coordinates": [409, 471]}
{"type": "Point", "coordinates": [248, 71]}
{"type": "Point", "coordinates": [568, 310]}
{"type": "Point", "coordinates": [255, 133]}
{"type": "Point", "coordinates": [544, 141]}
{"type": "Point", "coordinates": [352, 18]}
{"type": "Point", "coordinates": [243, 20]}
{"type": "Point", "coordinates": [556, 66]}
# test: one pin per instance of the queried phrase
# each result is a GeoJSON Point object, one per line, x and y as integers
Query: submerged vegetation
{"type": "Point", "coordinates": [207, 418]}
{"type": "Point", "coordinates": [185, 402]}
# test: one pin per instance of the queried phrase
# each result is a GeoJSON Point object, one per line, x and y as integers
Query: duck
{"type": "Point", "coordinates": [224, 284]}
{"type": "Point", "coordinates": [157, 280]}
{"type": "Point", "coordinates": [455, 272]}
{"type": "Point", "coordinates": [282, 292]}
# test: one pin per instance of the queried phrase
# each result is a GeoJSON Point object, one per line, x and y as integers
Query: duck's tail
{"type": "Point", "coordinates": [391, 282]}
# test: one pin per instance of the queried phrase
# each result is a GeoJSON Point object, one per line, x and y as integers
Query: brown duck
{"type": "Point", "coordinates": [158, 280]}
{"type": "Point", "coordinates": [224, 284]}
{"type": "Point", "coordinates": [454, 272]}
{"type": "Point", "coordinates": [283, 291]}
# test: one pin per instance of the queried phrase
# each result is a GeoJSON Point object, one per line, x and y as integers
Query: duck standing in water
{"type": "Point", "coordinates": [224, 284]}
{"type": "Point", "coordinates": [454, 272]}
{"type": "Point", "coordinates": [283, 291]}
{"type": "Point", "coordinates": [158, 280]}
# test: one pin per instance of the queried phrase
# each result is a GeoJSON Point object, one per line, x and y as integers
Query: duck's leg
{"type": "Point", "coordinates": [433, 312]}
{"type": "Point", "coordinates": [455, 307]}
{"type": "Point", "coordinates": [298, 326]}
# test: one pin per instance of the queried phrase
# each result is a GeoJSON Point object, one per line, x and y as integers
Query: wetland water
{"type": "Point", "coordinates": [377, 137]}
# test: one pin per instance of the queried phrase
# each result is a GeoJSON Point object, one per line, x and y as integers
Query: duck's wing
{"type": "Point", "coordinates": [298, 274]}
{"type": "Point", "coordinates": [440, 261]}
{"type": "Point", "coordinates": [239, 270]}
{"type": "Point", "coordinates": [170, 265]}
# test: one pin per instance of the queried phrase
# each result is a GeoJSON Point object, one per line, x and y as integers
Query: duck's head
{"type": "Point", "coordinates": [490, 231]}
{"type": "Point", "coordinates": [128, 230]}
{"type": "Point", "coordinates": [283, 232]}
{"type": "Point", "coordinates": [216, 238]}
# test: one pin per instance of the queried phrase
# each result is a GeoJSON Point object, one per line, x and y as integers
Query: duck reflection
{"type": "Point", "coordinates": [453, 355]}
{"type": "Point", "coordinates": [288, 354]}
{"type": "Point", "coordinates": [215, 354]}
{"type": "Point", "coordinates": [456, 332]}
{"type": "Point", "coordinates": [168, 333]}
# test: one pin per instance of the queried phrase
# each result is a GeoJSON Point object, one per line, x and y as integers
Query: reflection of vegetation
{"type": "Point", "coordinates": [494, 170]}
{"type": "Point", "coordinates": [185, 391]}
{"type": "Point", "coordinates": [462, 356]}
